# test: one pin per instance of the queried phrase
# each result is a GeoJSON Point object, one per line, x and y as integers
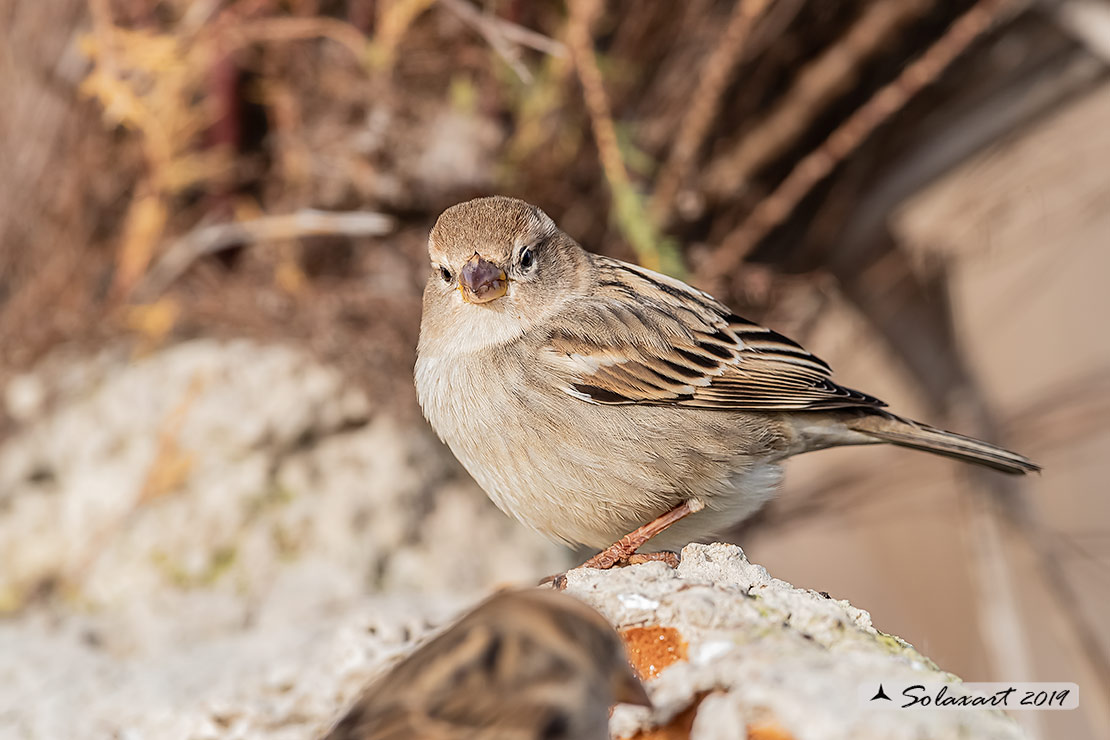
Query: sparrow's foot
{"type": "Point", "coordinates": [623, 550]}
{"type": "Point", "coordinates": [666, 556]}
{"type": "Point", "coordinates": [616, 559]}
{"type": "Point", "coordinates": [612, 556]}
{"type": "Point", "coordinates": [558, 581]}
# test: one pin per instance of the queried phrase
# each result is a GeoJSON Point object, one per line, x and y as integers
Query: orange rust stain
{"type": "Point", "coordinates": [682, 723]}
{"type": "Point", "coordinates": [768, 730]}
{"type": "Point", "coordinates": [651, 649]}
{"type": "Point", "coordinates": [677, 729]}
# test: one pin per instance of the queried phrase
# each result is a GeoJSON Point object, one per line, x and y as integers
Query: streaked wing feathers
{"type": "Point", "coordinates": [644, 338]}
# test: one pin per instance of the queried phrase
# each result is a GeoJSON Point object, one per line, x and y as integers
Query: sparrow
{"type": "Point", "coordinates": [600, 402]}
{"type": "Point", "coordinates": [523, 665]}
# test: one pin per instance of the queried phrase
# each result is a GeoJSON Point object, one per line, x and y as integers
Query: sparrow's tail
{"type": "Point", "coordinates": [905, 433]}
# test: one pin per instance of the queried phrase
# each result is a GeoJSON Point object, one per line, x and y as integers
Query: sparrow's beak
{"type": "Point", "coordinates": [629, 690]}
{"type": "Point", "coordinates": [481, 281]}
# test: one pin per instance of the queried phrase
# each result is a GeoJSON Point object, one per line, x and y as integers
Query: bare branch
{"type": "Point", "coordinates": [501, 35]}
{"type": "Point", "coordinates": [714, 78]}
{"type": "Point", "coordinates": [846, 138]}
{"type": "Point", "coordinates": [295, 29]}
{"type": "Point", "coordinates": [512, 31]}
{"type": "Point", "coordinates": [651, 250]}
{"type": "Point", "coordinates": [214, 238]}
{"type": "Point", "coordinates": [818, 83]}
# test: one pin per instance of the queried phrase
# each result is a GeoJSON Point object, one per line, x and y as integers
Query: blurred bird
{"type": "Point", "coordinates": [524, 665]}
{"type": "Point", "coordinates": [589, 396]}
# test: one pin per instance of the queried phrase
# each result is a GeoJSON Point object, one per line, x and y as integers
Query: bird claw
{"type": "Point", "coordinates": [607, 559]}
{"type": "Point", "coordinates": [665, 556]}
{"type": "Point", "coordinates": [558, 581]}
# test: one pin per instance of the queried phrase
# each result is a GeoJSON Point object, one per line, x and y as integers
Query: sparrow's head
{"type": "Point", "coordinates": [498, 266]}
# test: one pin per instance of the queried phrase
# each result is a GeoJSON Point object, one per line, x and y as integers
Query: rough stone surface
{"type": "Point", "coordinates": [764, 654]}
{"type": "Point", "coordinates": [220, 540]}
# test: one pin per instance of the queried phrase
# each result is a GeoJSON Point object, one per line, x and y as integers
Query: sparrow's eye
{"type": "Point", "coordinates": [445, 274]}
{"type": "Point", "coordinates": [527, 259]}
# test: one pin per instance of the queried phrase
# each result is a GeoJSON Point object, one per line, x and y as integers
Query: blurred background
{"type": "Point", "coordinates": [213, 219]}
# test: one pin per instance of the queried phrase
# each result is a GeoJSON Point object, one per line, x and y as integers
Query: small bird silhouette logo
{"type": "Point", "coordinates": [880, 694]}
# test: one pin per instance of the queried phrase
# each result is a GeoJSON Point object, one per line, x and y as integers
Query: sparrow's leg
{"type": "Point", "coordinates": [623, 549]}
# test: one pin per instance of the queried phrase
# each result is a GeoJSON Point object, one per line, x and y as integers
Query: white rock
{"type": "Point", "coordinates": [220, 540]}
{"type": "Point", "coordinates": [764, 651]}
{"type": "Point", "coordinates": [293, 544]}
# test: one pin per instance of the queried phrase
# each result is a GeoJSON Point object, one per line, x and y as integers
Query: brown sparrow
{"type": "Point", "coordinates": [523, 665]}
{"type": "Point", "coordinates": [589, 396]}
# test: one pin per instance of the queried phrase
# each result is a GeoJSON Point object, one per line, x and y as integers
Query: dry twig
{"type": "Point", "coordinates": [631, 215]}
{"type": "Point", "coordinates": [582, 16]}
{"type": "Point", "coordinates": [394, 18]}
{"type": "Point", "coordinates": [714, 78]}
{"type": "Point", "coordinates": [1001, 627]}
{"type": "Point", "coordinates": [242, 33]}
{"type": "Point", "coordinates": [501, 35]}
{"type": "Point", "coordinates": [497, 41]}
{"type": "Point", "coordinates": [815, 166]}
{"type": "Point", "coordinates": [216, 237]}
{"type": "Point", "coordinates": [818, 83]}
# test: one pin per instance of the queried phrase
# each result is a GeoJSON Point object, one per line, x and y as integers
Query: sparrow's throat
{"type": "Point", "coordinates": [481, 281]}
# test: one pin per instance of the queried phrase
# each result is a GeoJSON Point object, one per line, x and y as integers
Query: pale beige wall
{"type": "Point", "coordinates": [1027, 226]}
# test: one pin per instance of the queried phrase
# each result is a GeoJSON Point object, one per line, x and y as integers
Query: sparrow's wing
{"type": "Point", "coordinates": [644, 338]}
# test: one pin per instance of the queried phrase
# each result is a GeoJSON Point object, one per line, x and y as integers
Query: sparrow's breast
{"type": "Point", "coordinates": [576, 471]}
{"type": "Point", "coordinates": [477, 405]}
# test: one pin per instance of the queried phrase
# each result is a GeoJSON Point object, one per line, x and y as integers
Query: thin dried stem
{"type": "Point", "coordinates": [582, 16]}
{"type": "Point", "coordinates": [832, 73]}
{"type": "Point", "coordinates": [216, 237]}
{"type": "Point", "coordinates": [818, 164]}
{"type": "Point", "coordinates": [630, 213]}
{"type": "Point", "coordinates": [490, 25]}
{"type": "Point", "coordinates": [715, 76]}
{"type": "Point", "coordinates": [293, 29]}
{"type": "Point", "coordinates": [481, 22]}
{"type": "Point", "coordinates": [1004, 633]}
{"type": "Point", "coordinates": [1070, 625]}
